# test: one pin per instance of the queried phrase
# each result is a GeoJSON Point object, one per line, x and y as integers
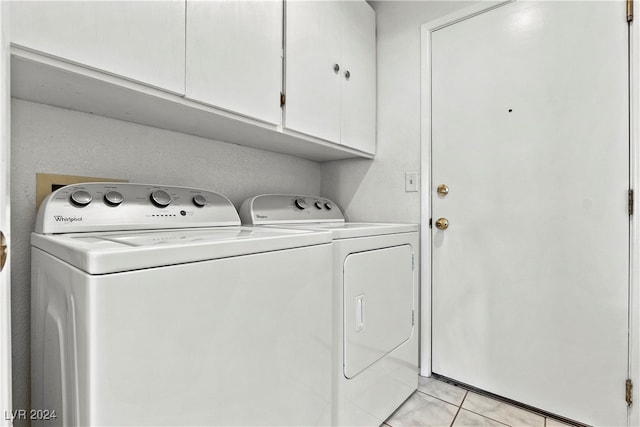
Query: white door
{"type": "Point", "coordinates": [234, 56]}
{"type": "Point", "coordinates": [530, 134]}
{"type": "Point", "coordinates": [5, 295]}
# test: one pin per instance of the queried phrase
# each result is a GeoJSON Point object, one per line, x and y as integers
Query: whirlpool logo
{"type": "Point", "coordinates": [67, 219]}
{"type": "Point", "coordinates": [261, 216]}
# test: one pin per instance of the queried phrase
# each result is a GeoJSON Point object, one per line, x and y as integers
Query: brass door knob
{"type": "Point", "coordinates": [442, 223]}
{"type": "Point", "coordinates": [442, 190]}
{"type": "Point", "coordinates": [3, 250]}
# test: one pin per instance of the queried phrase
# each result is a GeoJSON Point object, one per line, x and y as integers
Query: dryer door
{"type": "Point", "coordinates": [378, 305]}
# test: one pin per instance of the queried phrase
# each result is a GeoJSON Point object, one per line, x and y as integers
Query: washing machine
{"type": "Point", "coordinates": [151, 305]}
{"type": "Point", "coordinates": [375, 286]}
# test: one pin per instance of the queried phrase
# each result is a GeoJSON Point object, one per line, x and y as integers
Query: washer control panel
{"type": "Point", "coordinates": [287, 208]}
{"type": "Point", "coordinates": [107, 206]}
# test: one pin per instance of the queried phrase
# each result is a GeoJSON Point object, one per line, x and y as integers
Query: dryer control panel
{"type": "Point", "coordinates": [107, 206]}
{"type": "Point", "coordinates": [290, 209]}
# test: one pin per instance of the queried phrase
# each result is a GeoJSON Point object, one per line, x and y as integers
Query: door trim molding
{"type": "Point", "coordinates": [634, 246]}
{"type": "Point", "coordinates": [425, 165]}
{"type": "Point", "coordinates": [5, 217]}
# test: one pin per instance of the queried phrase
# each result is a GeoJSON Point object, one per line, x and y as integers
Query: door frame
{"type": "Point", "coordinates": [425, 203]}
{"type": "Point", "coordinates": [634, 245]}
{"type": "Point", "coordinates": [5, 218]}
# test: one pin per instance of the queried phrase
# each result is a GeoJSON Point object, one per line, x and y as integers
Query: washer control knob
{"type": "Point", "coordinates": [199, 200]}
{"type": "Point", "coordinates": [318, 205]}
{"type": "Point", "coordinates": [160, 198]}
{"type": "Point", "coordinates": [301, 203]}
{"type": "Point", "coordinates": [113, 198]}
{"type": "Point", "coordinates": [80, 198]}
{"type": "Point", "coordinates": [328, 206]}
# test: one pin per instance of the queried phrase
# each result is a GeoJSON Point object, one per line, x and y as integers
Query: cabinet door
{"type": "Point", "coordinates": [234, 56]}
{"type": "Point", "coordinates": [359, 76]}
{"type": "Point", "coordinates": [312, 86]}
{"type": "Point", "coordinates": [140, 40]}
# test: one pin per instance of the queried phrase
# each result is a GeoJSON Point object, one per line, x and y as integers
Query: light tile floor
{"type": "Point", "coordinates": [437, 403]}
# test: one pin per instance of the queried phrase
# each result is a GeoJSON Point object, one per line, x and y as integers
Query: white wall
{"type": "Point", "coordinates": [374, 190]}
{"type": "Point", "coordinates": [53, 140]}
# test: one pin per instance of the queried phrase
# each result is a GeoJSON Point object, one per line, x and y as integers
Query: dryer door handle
{"type": "Point", "coordinates": [359, 313]}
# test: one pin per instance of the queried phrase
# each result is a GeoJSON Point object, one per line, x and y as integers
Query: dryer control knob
{"type": "Point", "coordinates": [80, 198]}
{"type": "Point", "coordinates": [328, 205]}
{"type": "Point", "coordinates": [160, 198]}
{"type": "Point", "coordinates": [301, 203]}
{"type": "Point", "coordinates": [318, 205]}
{"type": "Point", "coordinates": [199, 200]}
{"type": "Point", "coordinates": [113, 198]}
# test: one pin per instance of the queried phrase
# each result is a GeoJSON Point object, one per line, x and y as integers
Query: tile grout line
{"type": "Point", "coordinates": [523, 407]}
{"type": "Point", "coordinates": [466, 394]}
{"type": "Point", "coordinates": [484, 416]}
{"type": "Point", "coordinates": [544, 419]}
{"type": "Point", "coordinates": [459, 409]}
{"type": "Point", "coordinates": [489, 418]}
{"type": "Point", "coordinates": [442, 400]}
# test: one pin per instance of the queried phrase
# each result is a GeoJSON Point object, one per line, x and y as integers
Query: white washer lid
{"type": "Point", "coordinates": [110, 252]}
{"type": "Point", "coordinates": [349, 230]}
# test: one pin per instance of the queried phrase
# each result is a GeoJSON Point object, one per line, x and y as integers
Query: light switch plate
{"type": "Point", "coordinates": [411, 182]}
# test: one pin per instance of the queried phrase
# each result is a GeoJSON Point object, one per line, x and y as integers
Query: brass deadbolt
{"type": "Point", "coordinates": [442, 190]}
{"type": "Point", "coordinates": [442, 223]}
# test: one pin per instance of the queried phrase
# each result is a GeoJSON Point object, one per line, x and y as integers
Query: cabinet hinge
{"type": "Point", "coordinates": [628, 391]}
{"type": "Point", "coordinates": [630, 202]}
{"type": "Point", "coordinates": [629, 10]}
{"type": "Point", "coordinates": [413, 262]}
{"type": "Point", "coordinates": [413, 317]}
{"type": "Point", "coordinates": [283, 99]}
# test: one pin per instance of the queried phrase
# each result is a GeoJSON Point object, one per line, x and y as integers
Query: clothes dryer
{"type": "Point", "coordinates": [375, 286]}
{"type": "Point", "coordinates": [151, 305]}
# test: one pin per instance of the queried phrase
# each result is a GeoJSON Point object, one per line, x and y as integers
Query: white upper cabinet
{"type": "Point", "coordinates": [359, 89]}
{"type": "Point", "coordinates": [211, 68]}
{"type": "Point", "coordinates": [140, 40]}
{"type": "Point", "coordinates": [234, 56]}
{"type": "Point", "coordinates": [330, 81]}
{"type": "Point", "coordinates": [312, 76]}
